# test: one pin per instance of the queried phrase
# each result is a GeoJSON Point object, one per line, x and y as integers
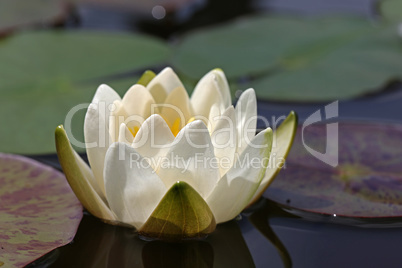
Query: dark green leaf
{"type": "Point", "coordinates": [391, 10]}
{"type": "Point", "coordinates": [362, 63]}
{"type": "Point", "coordinates": [45, 74]}
{"type": "Point", "coordinates": [296, 59]}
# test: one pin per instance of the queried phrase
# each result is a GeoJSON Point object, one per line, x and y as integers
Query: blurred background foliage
{"type": "Point", "coordinates": [54, 53]}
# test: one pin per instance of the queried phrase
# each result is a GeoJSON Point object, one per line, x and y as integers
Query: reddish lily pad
{"type": "Point", "coordinates": [38, 210]}
{"type": "Point", "coordinates": [367, 183]}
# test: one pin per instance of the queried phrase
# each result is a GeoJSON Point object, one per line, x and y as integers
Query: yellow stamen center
{"type": "Point", "coordinates": [134, 130]}
{"type": "Point", "coordinates": [175, 128]}
{"type": "Point", "coordinates": [191, 120]}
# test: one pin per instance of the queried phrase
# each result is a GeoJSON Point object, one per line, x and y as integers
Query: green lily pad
{"type": "Point", "coordinates": [45, 74]}
{"type": "Point", "coordinates": [181, 214]}
{"type": "Point", "coordinates": [296, 59]}
{"type": "Point", "coordinates": [366, 183]}
{"type": "Point", "coordinates": [364, 64]}
{"type": "Point", "coordinates": [21, 13]}
{"type": "Point", "coordinates": [39, 211]}
{"type": "Point", "coordinates": [391, 10]}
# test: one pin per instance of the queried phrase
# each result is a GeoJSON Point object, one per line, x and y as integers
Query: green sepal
{"type": "Point", "coordinates": [284, 137]}
{"type": "Point", "coordinates": [77, 177]}
{"type": "Point", "coordinates": [146, 77]}
{"type": "Point", "coordinates": [182, 214]}
{"type": "Point", "coordinates": [286, 133]}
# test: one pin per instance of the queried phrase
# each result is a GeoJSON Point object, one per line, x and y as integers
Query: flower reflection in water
{"type": "Point", "coordinates": [101, 245]}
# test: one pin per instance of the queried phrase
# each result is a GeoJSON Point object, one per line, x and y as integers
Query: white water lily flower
{"type": "Point", "coordinates": [170, 165]}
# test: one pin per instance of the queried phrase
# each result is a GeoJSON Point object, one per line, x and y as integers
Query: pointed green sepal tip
{"type": "Point", "coordinates": [284, 140]}
{"type": "Point", "coordinates": [291, 123]}
{"type": "Point", "coordinates": [61, 137]}
{"type": "Point", "coordinates": [294, 117]}
{"type": "Point", "coordinates": [287, 130]}
{"type": "Point", "coordinates": [182, 214]}
{"type": "Point", "coordinates": [146, 77]}
{"type": "Point", "coordinates": [59, 130]}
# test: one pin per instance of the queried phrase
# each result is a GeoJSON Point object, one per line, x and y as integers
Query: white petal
{"type": "Point", "coordinates": [106, 94]}
{"type": "Point", "coordinates": [136, 106]}
{"type": "Point", "coordinates": [177, 106]}
{"type": "Point", "coordinates": [138, 102]}
{"type": "Point", "coordinates": [211, 89]}
{"type": "Point", "coordinates": [163, 84]}
{"type": "Point", "coordinates": [224, 87]}
{"type": "Point", "coordinates": [224, 139]}
{"type": "Point", "coordinates": [283, 140]}
{"type": "Point", "coordinates": [191, 159]}
{"type": "Point", "coordinates": [125, 136]}
{"type": "Point", "coordinates": [133, 189]}
{"type": "Point", "coordinates": [153, 140]}
{"type": "Point", "coordinates": [117, 117]}
{"type": "Point", "coordinates": [215, 112]}
{"type": "Point", "coordinates": [96, 131]}
{"type": "Point", "coordinates": [246, 115]}
{"type": "Point", "coordinates": [235, 190]}
{"type": "Point", "coordinates": [93, 188]}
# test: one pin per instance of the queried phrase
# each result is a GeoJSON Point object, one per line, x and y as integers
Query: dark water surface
{"type": "Point", "coordinates": [265, 237]}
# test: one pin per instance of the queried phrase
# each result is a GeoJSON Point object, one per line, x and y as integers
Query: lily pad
{"type": "Point", "coordinates": [39, 212]}
{"type": "Point", "coordinates": [391, 10]}
{"type": "Point", "coordinates": [366, 183]}
{"type": "Point", "coordinates": [45, 74]}
{"type": "Point", "coordinates": [296, 59]}
{"type": "Point", "coordinates": [21, 13]}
